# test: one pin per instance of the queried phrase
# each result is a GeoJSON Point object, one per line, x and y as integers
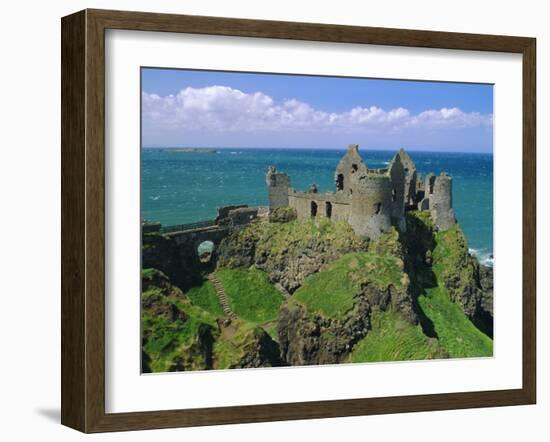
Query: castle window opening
{"type": "Point", "coordinates": [431, 186]}
{"type": "Point", "coordinates": [340, 181]}
{"type": "Point", "coordinates": [377, 208]}
{"type": "Point", "coordinates": [393, 195]}
{"type": "Point", "coordinates": [313, 209]}
{"type": "Point", "coordinates": [328, 209]}
{"type": "Point", "coordinates": [353, 168]}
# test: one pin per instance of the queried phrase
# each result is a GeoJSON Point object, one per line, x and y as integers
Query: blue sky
{"type": "Point", "coordinates": [229, 109]}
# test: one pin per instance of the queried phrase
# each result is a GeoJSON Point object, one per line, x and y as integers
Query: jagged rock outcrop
{"type": "Point", "coordinates": [258, 350]}
{"type": "Point", "coordinates": [310, 339]}
{"type": "Point", "coordinates": [486, 282]}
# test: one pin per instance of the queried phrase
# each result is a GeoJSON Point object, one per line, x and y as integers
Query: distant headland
{"type": "Point", "coordinates": [190, 149]}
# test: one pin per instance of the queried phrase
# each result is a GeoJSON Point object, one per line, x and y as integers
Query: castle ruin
{"type": "Point", "coordinates": [370, 200]}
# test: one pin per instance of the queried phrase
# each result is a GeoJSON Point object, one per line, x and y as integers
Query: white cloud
{"type": "Point", "coordinates": [222, 108]}
{"type": "Point", "coordinates": [453, 117]}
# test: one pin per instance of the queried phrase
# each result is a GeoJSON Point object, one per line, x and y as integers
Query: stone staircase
{"type": "Point", "coordinates": [220, 291]}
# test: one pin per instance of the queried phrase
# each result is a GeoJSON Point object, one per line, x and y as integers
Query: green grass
{"type": "Point", "coordinates": [456, 333]}
{"type": "Point", "coordinates": [204, 296]}
{"type": "Point", "coordinates": [251, 296]}
{"type": "Point", "coordinates": [394, 339]}
{"type": "Point", "coordinates": [331, 292]}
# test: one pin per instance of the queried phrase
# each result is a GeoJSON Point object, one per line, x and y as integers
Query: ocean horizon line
{"type": "Point", "coordinates": [364, 149]}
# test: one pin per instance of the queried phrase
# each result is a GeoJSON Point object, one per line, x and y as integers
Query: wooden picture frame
{"type": "Point", "coordinates": [83, 220]}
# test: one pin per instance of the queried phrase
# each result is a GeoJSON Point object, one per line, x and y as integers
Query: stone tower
{"type": "Point", "coordinates": [411, 177]}
{"type": "Point", "coordinates": [278, 185]}
{"type": "Point", "coordinates": [371, 204]}
{"type": "Point", "coordinates": [350, 165]}
{"type": "Point", "coordinates": [441, 201]}
{"type": "Point", "coordinates": [396, 171]}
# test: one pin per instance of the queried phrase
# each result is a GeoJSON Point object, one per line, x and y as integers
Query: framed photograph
{"type": "Point", "coordinates": [269, 220]}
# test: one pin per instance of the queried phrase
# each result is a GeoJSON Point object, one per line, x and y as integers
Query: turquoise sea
{"type": "Point", "coordinates": [184, 187]}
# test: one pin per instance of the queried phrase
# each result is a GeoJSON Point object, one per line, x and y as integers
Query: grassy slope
{"type": "Point", "coordinates": [205, 297]}
{"type": "Point", "coordinates": [393, 339]}
{"type": "Point", "coordinates": [331, 292]}
{"type": "Point", "coordinates": [251, 296]}
{"type": "Point", "coordinates": [167, 339]}
{"type": "Point", "coordinates": [455, 331]}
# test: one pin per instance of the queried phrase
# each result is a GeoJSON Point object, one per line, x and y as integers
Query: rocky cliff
{"type": "Point", "coordinates": [417, 294]}
{"type": "Point", "coordinates": [443, 257]}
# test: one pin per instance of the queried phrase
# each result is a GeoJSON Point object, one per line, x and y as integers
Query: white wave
{"type": "Point", "coordinates": [483, 256]}
{"type": "Point", "coordinates": [154, 198]}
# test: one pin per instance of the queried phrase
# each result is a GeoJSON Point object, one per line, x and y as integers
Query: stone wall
{"type": "Point", "coordinates": [441, 202]}
{"type": "Point", "coordinates": [351, 164]}
{"type": "Point", "coordinates": [396, 172]}
{"type": "Point", "coordinates": [242, 215]}
{"type": "Point", "coordinates": [328, 205]}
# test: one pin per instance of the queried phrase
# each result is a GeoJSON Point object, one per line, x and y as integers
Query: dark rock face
{"type": "Point", "coordinates": [179, 263]}
{"type": "Point", "coordinates": [159, 252]}
{"type": "Point", "coordinates": [486, 282]}
{"type": "Point", "coordinates": [307, 339]}
{"type": "Point", "coordinates": [463, 284]}
{"type": "Point", "coordinates": [260, 351]}
{"type": "Point", "coordinates": [484, 317]}
{"type": "Point", "coordinates": [470, 285]}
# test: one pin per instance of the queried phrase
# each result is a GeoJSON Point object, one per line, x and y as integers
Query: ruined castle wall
{"type": "Point", "coordinates": [371, 205]}
{"type": "Point", "coordinates": [441, 202]}
{"type": "Point", "coordinates": [328, 205]}
{"type": "Point", "coordinates": [351, 164]}
{"type": "Point", "coordinates": [397, 175]}
{"type": "Point", "coordinates": [410, 187]}
{"type": "Point", "coordinates": [278, 186]}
